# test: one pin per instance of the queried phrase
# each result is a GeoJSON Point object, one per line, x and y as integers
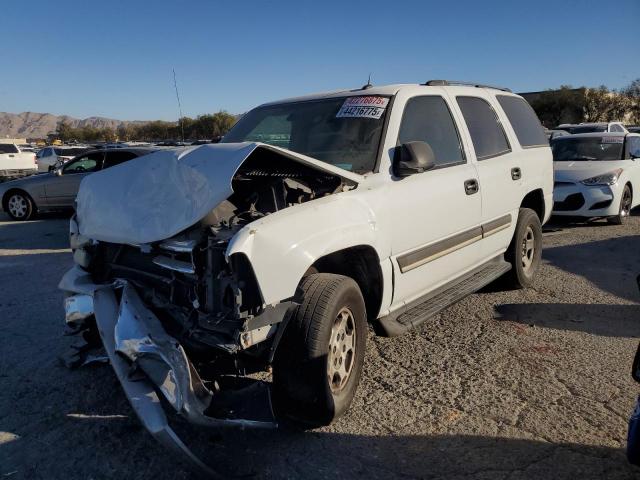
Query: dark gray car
{"type": "Point", "coordinates": [57, 190]}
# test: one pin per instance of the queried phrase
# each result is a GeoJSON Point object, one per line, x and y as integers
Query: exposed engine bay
{"type": "Point", "coordinates": [214, 308]}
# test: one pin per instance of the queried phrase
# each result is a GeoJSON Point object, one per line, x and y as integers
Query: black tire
{"type": "Point", "coordinates": [525, 250]}
{"type": "Point", "coordinates": [303, 392]}
{"type": "Point", "coordinates": [624, 209]}
{"type": "Point", "coordinates": [19, 205]}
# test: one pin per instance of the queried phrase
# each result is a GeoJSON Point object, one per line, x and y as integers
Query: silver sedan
{"type": "Point", "coordinates": [57, 190]}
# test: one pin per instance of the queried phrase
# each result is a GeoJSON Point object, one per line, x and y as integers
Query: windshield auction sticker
{"type": "Point", "coordinates": [363, 107]}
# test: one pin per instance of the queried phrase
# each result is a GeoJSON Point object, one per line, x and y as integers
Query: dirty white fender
{"type": "Point", "coordinates": [313, 230]}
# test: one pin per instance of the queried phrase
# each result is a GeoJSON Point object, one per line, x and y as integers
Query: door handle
{"type": "Point", "coordinates": [471, 186]}
{"type": "Point", "coordinates": [516, 173]}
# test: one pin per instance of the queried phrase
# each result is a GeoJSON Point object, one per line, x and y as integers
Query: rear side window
{"type": "Point", "coordinates": [429, 120]}
{"type": "Point", "coordinates": [8, 148]}
{"type": "Point", "coordinates": [487, 135]}
{"type": "Point", "coordinates": [633, 144]}
{"type": "Point", "coordinates": [524, 121]}
{"type": "Point", "coordinates": [116, 158]}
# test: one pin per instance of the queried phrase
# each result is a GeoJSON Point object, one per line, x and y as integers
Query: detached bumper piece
{"type": "Point", "coordinates": [136, 342]}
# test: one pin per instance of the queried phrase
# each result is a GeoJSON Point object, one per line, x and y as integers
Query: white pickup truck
{"type": "Point", "coordinates": [15, 163]}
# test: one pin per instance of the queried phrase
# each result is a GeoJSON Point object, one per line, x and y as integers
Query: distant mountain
{"type": "Point", "coordinates": [38, 125]}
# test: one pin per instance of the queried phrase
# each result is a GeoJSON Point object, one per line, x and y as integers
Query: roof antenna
{"type": "Point", "coordinates": [368, 85]}
{"type": "Point", "coordinates": [175, 84]}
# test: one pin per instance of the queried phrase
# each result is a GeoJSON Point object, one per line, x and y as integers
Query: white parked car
{"type": "Point", "coordinates": [50, 158]}
{"type": "Point", "coordinates": [596, 175]}
{"type": "Point", "coordinates": [380, 204]}
{"type": "Point", "coordinates": [14, 163]}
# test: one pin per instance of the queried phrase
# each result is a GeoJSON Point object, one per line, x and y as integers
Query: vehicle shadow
{"type": "Point", "coordinates": [50, 233]}
{"type": "Point", "coordinates": [611, 264]}
{"type": "Point", "coordinates": [126, 451]}
{"type": "Point", "coordinates": [596, 319]}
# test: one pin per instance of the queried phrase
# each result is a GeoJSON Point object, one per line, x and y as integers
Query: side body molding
{"type": "Point", "coordinates": [282, 246]}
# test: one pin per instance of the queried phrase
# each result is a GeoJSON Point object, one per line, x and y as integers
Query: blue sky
{"type": "Point", "coordinates": [114, 58]}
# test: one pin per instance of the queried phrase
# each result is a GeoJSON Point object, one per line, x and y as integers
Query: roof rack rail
{"type": "Point", "coordinates": [441, 83]}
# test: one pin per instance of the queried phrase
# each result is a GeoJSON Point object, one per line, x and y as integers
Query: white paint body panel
{"type": "Point", "coordinates": [576, 171]}
{"type": "Point", "coordinates": [18, 161]}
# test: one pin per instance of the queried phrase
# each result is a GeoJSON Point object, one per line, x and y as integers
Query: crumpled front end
{"type": "Point", "coordinates": [155, 278]}
{"type": "Point", "coordinates": [147, 361]}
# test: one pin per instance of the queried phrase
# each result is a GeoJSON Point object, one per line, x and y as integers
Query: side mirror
{"type": "Point", "coordinates": [58, 171]}
{"type": "Point", "coordinates": [413, 157]}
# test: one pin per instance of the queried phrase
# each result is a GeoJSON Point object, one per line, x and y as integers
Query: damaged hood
{"type": "Point", "coordinates": [156, 196]}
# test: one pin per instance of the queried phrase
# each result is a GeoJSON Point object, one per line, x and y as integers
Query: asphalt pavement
{"type": "Point", "coordinates": [503, 385]}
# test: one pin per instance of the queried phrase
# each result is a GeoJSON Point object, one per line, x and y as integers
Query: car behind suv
{"type": "Point", "coordinates": [57, 190]}
{"type": "Point", "coordinates": [276, 247]}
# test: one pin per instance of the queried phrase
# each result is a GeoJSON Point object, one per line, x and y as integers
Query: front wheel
{"type": "Point", "coordinates": [319, 361]}
{"type": "Point", "coordinates": [525, 250]}
{"type": "Point", "coordinates": [624, 210]}
{"type": "Point", "coordinates": [19, 206]}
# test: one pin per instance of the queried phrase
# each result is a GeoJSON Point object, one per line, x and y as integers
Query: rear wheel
{"type": "Point", "coordinates": [525, 250]}
{"type": "Point", "coordinates": [319, 361]}
{"type": "Point", "coordinates": [624, 210]}
{"type": "Point", "coordinates": [19, 206]}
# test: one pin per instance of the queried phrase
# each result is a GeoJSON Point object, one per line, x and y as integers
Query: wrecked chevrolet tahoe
{"type": "Point", "coordinates": [236, 281]}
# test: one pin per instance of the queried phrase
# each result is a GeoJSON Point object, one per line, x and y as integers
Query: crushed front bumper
{"type": "Point", "coordinates": [133, 337]}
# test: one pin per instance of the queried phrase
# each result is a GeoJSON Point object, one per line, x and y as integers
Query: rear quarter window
{"type": "Point", "coordinates": [524, 121]}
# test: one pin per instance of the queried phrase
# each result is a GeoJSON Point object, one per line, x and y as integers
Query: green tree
{"type": "Point", "coordinates": [603, 105]}
{"type": "Point", "coordinates": [632, 93]}
{"type": "Point", "coordinates": [64, 131]}
{"type": "Point", "coordinates": [222, 123]}
{"type": "Point", "coordinates": [564, 105]}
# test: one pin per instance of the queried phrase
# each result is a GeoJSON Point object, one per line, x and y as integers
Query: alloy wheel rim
{"type": "Point", "coordinates": [625, 207]}
{"type": "Point", "coordinates": [528, 249]}
{"type": "Point", "coordinates": [342, 350]}
{"type": "Point", "coordinates": [17, 206]}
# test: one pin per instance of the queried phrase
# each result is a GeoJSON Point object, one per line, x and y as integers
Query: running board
{"type": "Point", "coordinates": [421, 310]}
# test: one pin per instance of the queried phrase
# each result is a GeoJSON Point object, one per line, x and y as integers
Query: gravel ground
{"type": "Point", "coordinates": [505, 384]}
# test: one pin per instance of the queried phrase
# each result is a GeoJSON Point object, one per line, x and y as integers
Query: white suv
{"type": "Point", "coordinates": [49, 158]}
{"type": "Point", "coordinates": [314, 216]}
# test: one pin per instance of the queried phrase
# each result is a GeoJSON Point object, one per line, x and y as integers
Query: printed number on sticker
{"type": "Point", "coordinates": [363, 107]}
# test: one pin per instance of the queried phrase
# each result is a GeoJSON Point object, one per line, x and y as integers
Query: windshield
{"type": "Point", "coordinates": [588, 129]}
{"type": "Point", "coordinates": [70, 152]}
{"type": "Point", "coordinates": [591, 148]}
{"type": "Point", "coordinates": [344, 132]}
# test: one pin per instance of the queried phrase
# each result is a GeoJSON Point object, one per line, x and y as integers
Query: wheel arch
{"type": "Point", "coordinates": [535, 201]}
{"type": "Point", "coordinates": [362, 264]}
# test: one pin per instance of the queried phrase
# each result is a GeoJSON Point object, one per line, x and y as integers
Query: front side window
{"type": "Point", "coordinates": [569, 148]}
{"type": "Point", "coordinates": [116, 158]}
{"type": "Point", "coordinates": [345, 132]}
{"type": "Point", "coordinates": [588, 129]}
{"type": "Point", "coordinates": [428, 119]}
{"type": "Point", "coordinates": [8, 148]}
{"type": "Point", "coordinates": [84, 164]}
{"type": "Point", "coordinates": [487, 134]}
{"type": "Point", "coordinates": [524, 121]}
